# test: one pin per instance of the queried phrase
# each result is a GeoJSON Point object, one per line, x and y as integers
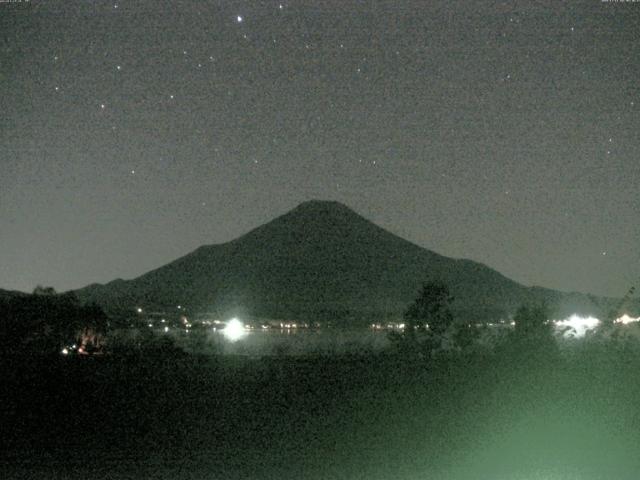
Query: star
{"type": "Point", "coordinates": [102, 106]}
{"type": "Point", "coordinates": [118, 67]}
{"type": "Point", "coordinates": [57, 89]}
{"type": "Point", "coordinates": [239, 19]}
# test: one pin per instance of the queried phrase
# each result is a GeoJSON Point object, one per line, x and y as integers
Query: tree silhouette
{"type": "Point", "coordinates": [532, 322]}
{"type": "Point", "coordinates": [431, 309]}
{"type": "Point", "coordinates": [40, 290]}
{"type": "Point", "coordinates": [45, 321]}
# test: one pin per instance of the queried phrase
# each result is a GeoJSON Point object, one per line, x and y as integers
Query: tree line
{"type": "Point", "coordinates": [46, 321]}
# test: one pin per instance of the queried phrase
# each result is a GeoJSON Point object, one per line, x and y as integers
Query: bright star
{"type": "Point", "coordinates": [239, 18]}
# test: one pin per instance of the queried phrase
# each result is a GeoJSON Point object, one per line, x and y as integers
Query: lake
{"type": "Point", "coordinates": [260, 342]}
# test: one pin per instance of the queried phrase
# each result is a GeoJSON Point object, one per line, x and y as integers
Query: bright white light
{"type": "Point", "coordinates": [239, 18]}
{"type": "Point", "coordinates": [626, 319]}
{"type": "Point", "coordinates": [576, 325]}
{"type": "Point", "coordinates": [65, 351]}
{"type": "Point", "coordinates": [139, 310]}
{"type": "Point", "coordinates": [234, 330]}
{"type": "Point", "coordinates": [166, 329]}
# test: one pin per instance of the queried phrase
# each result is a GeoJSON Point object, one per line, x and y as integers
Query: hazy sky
{"type": "Point", "coordinates": [132, 132]}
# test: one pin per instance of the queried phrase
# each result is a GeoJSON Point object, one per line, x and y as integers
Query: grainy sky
{"type": "Point", "coordinates": [132, 132]}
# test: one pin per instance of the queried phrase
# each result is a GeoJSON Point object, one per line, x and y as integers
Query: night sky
{"type": "Point", "coordinates": [132, 132]}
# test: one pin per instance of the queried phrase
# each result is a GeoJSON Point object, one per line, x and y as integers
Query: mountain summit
{"type": "Point", "coordinates": [320, 260]}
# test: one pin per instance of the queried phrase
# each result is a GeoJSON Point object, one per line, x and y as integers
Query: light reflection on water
{"type": "Point", "coordinates": [288, 342]}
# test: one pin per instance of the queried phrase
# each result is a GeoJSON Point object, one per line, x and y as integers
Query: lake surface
{"type": "Point", "coordinates": [286, 342]}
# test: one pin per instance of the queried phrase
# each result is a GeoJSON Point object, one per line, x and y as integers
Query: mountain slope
{"type": "Point", "coordinates": [320, 259]}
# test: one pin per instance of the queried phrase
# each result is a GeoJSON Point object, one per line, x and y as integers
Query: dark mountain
{"type": "Point", "coordinates": [322, 260]}
{"type": "Point", "coordinates": [9, 294]}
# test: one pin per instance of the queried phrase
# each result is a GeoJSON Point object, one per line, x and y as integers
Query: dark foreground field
{"type": "Point", "coordinates": [509, 416]}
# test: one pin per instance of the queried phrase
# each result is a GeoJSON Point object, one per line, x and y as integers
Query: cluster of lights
{"type": "Point", "coordinates": [626, 319]}
{"type": "Point", "coordinates": [394, 326]}
{"type": "Point", "coordinates": [70, 349]}
{"type": "Point", "coordinates": [576, 325]}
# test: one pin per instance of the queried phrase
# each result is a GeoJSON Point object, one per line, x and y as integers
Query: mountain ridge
{"type": "Point", "coordinates": [323, 259]}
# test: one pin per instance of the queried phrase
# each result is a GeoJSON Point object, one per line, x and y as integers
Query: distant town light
{"type": "Point", "coordinates": [139, 310]}
{"type": "Point", "coordinates": [234, 330]}
{"type": "Point", "coordinates": [65, 351]}
{"type": "Point", "coordinates": [626, 319]}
